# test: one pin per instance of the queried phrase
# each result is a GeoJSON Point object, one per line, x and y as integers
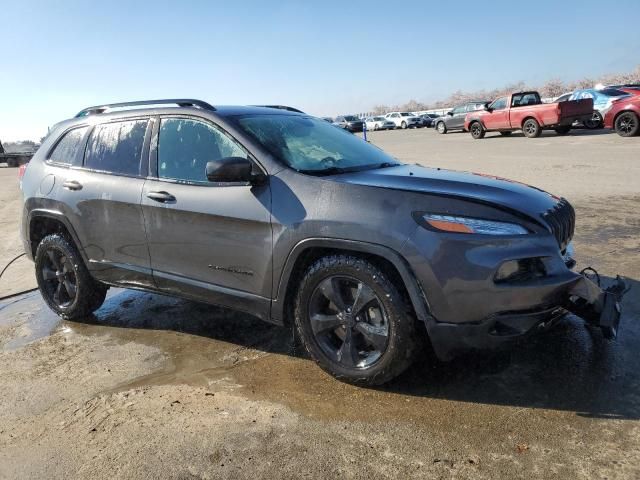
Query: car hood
{"type": "Point", "coordinates": [501, 192]}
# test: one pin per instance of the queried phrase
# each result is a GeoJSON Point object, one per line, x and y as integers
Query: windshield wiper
{"type": "Point", "coordinates": [326, 171]}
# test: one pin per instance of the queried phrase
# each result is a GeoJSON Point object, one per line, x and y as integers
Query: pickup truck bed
{"type": "Point", "coordinates": [524, 111]}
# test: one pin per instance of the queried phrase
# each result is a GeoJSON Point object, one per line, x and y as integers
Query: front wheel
{"type": "Point", "coordinates": [403, 125]}
{"type": "Point", "coordinates": [594, 122]}
{"type": "Point", "coordinates": [531, 128]}
{"type": "Point", "coordinates": [477, 132]}
{"type": "Point", "coordinates": [441, 127]}
{"type": "Point", "coordinates": [64, 281]}
{"type": "Point", "coordinates": [353, 321]}
{"type": "Point", "coordinates": [627, 124]}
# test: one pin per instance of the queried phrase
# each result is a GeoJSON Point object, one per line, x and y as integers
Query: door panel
{"type": "Point", "coordinates": [103, 196]}
{"type": "Point", "coordinates": [211, 241]}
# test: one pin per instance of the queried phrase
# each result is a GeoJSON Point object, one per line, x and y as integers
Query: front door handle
{"type": "Point", "coordinates": [72, 185]}
{"type": "Point", "coordinates": [162, 197]}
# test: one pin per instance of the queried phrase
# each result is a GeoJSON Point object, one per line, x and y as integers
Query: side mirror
{"type": "Point", "coordinates": [487, 107]}
{"type": "Point", "coordinates": [229, 169]}
{"type": "Point", "coordinates": [450, 114]}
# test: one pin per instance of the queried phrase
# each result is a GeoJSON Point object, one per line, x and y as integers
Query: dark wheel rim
{"type": "Point", "coordinates": [594, 121]}
{"type": "Point", "coordinates": [59, 278]}
{"type": "Point", "coordinates": [348, 322]}
{"type": "Point", "coordinates": [627, 123]}
{"type": "Point", "coordinates": [475, 130]}
{"type": "Point", "coordinates": [530, 127]}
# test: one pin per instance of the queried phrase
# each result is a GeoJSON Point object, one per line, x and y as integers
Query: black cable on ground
{"type": "Point", "coordinates": [4, 270]}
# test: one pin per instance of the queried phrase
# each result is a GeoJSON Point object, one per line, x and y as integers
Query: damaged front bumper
{"type": "Point", "coordinates": [580, 296]}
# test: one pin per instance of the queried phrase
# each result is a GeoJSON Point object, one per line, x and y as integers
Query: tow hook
{"type": "Point", "coordinates": [597, 306]}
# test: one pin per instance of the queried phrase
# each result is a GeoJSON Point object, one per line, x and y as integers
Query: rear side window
{"type": "Point", "coordinates": [67, 149]}
{"type": "Point", "coordinates": [185, 146]}
{"type": "Point", "coordinates": [116, 147]}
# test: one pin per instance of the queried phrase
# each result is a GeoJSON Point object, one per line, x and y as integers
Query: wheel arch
{"type": "Point", "coordinates": [309, 250]}
{"type": "Point", "coordinates": [530, 117]}
{"type": "Point", "coordinates": [626, 110]}
{"type": "Point", "coordinates": [43, 222]}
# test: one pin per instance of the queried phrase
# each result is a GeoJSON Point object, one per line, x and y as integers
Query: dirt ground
{"type": "Point", "coordinates": [155, 387]}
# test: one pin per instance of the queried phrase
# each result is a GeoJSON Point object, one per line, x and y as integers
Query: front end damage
{"type": "Point", "coordinates": [597, 306]}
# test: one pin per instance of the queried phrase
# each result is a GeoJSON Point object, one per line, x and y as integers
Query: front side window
{"type": "Point", "coordinates": [116, 147]}
{"type": "Point", "coordinates": [459, 110]}
{"type": "Point", "coordinates": [311, 146]}
{"type": "Point", "coordinates": [499, 104]}
{"type": "Point", "coordinates": [67, 149]}
{"type": "Point", "coordinates": [186, 146]}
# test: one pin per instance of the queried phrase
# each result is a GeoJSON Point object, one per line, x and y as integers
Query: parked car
{"type": "Point", "coordinates": [349, 122]}
{"type": "Point", "coordinates": [404, 119]}
{"type": "Point", "coordinates": [428, 119]}
{"type": "Point", "coordinates": [379, 123]}
{"type": "Point", "coordinates": [624, 116]}
{"type": "Point", "coordinates": [602, 101]}
{"type": "Point", "coordinates": [525, 111]}
{"type": "Point", "coordinates": [279, 214]}
{"type": "Point", "coordinates": [454, 120]}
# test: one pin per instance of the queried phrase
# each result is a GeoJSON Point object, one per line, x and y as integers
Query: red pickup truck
{"type": "Point", "coordinates": [525, 111]}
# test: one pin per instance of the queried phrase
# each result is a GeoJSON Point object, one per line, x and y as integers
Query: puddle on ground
{"type": "Point", "coordinates": [206, 345]}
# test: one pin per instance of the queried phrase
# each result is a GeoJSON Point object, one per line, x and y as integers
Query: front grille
{"type": "Point", "coordinates": [562, 221]}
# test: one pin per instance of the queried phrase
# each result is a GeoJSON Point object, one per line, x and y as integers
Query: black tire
{"type": "Point", "coordinates": [12, 162]}
{"type": "Point", "coordinates": [323, 341]}
{"type": "Point", "coordinates": [563, 130]}
{"type": "Point", "coordinates": [441, 127]}
{"type": "Point", "coordinates": [505, 134]}
{"type": "Point", "coordinates": [403, 125]}
{"type": "Point", "coordinates": [477, 130]}
{"type": "Point", "coordinates": [531, 128]}
{"type": "Point", "coordinates": [627, 124]}
{"type": "Point", "coordinates": [594, 122]}
{"type": "Point", "coordinates": [69, 290]}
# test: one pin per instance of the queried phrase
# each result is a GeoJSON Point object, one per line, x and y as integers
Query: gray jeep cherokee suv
{"type": "Point", "coordinates": [280, 214]}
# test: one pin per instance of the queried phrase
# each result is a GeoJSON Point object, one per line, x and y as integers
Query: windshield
{"type": "Point", "coordinates": [404, 114]}
{"type": "Point", "coordinates": [377, 119]}
{"type": "Point", "coordinates": [310, 145]}
{"type": "Point", "coordinates": [351, 118]}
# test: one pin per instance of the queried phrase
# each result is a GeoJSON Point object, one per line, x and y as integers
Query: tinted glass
{"type": "Point", "coordinates": [613, 92]}
{"type": "Point", "coordinates": [351, 118]}
{"type": "Point", "coordinates": [524, 99]}
{"type": "Point", "coordinates": [68, 147]}
{"type": "Point", "coordinates": [310, 145]}
{"type": "Point", "coordinates": [499, 104]}
{"type": "Point", "coordinates": [116, 147]}
{"type": "Point", "coordinates": [185, 147]}
{"type": "Point", "coordinates": [459, 110]}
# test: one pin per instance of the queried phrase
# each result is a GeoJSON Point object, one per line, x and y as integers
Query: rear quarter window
{"type": "Point", "coordinates": [117, 147]}
{"type": "Point", "coordinates": [68, 147]}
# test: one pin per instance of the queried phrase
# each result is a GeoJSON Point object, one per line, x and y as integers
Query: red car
{"type": "Point", "coordinates": [525, 111]}
{"type": "Point", "coordinates": [624, 116]}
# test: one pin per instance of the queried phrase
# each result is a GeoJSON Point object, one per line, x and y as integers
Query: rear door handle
{"type": "Point", "coordinates": [162, 197]}
{"type": "Point", "coordinates": [72, 185]}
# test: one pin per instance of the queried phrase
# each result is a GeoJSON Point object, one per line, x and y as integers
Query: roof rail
{"type": "Point", "coordinates": [281, 107]}
{"type": "Point", "coordinates": [181, 102]}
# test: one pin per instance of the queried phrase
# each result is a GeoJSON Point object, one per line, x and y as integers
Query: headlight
{"type": "Point", "coordinates": [448, 223]}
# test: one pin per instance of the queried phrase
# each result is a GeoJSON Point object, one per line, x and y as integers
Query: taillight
{"type": "Point", "coordinates": [22, 170]}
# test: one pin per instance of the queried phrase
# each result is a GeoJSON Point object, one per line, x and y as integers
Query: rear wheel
{"type": "Point", "coordinates": [354, 322]}
{"type": "Point", "coordinates": [531, 128]}
{"type": "Point", "coordinates": [627, 124]}
{"type": "Point", "coordinates": [563, 130]}
{"type": "Point", "coordinates": [403, 125]}
{"type": "Point", "coordinates": [594, 122]}
{"type": "Point", "coordinates": [64, 281]}
{"type": "Point", "coordinates": [441, 127]}
{"type": "Point", "coordinates": [477, 131]}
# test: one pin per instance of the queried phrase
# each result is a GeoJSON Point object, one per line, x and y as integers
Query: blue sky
{"type": "Point", "coordinates": [325, 57]}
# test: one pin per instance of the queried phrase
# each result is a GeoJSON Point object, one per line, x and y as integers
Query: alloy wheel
{"type": "Point", "coordinates": [59, 278]}
{"type": "Point", "coordinates": [627, 123]}
{"type": "Point", "coordinates": [348, 321]}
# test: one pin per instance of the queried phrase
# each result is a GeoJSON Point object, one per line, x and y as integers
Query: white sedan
{"type": "Point", "coordinates": [404, 119]}
{"type": "Point", "coordinates": [379, 123]}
